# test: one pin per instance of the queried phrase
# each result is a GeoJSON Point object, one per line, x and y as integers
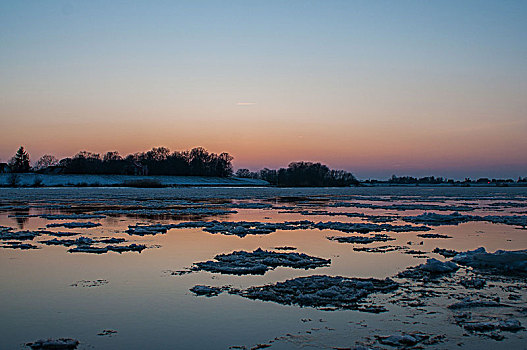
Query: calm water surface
{"type": "Point", "coordinates": [151, 308]}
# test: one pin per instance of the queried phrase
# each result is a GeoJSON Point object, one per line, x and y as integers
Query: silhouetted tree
{"type": "Point", "coordinates": [113, 163]}
{"type": "Point", "coordinates": [308, 174]}
{"type": "Point", "coordinates": [84, 163]}
{"type": "Point", "coordinates": [157, 161]}
{"type": "Point", "coordinates": [111, 156]}
{"type": "Point", "coordinates": [45, 161]}
{"type": "Point", "coordinates": [269, 175]}
{"type": "Point", "coordinates": [20, 161]}
{"type": "Point", "coordinates": [246, 173]}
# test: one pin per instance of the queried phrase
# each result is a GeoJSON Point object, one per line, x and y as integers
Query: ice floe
{"type": "Point", "coordinates": [321, 291]}
{"type": "Point", "coordinates": [398, 340]}
{"type": "Point", "coordinates": [404, 207]}
{"type": "Point", "coordinates": [244, 228]}
{"type": "Point", "coordinates": [258, 262]}
{"type": "Point", "coordinates": [431, 269]}
{"type": "Point", "coordinates": [89, 249]}
{"type": "Point", "coordinates": [361, 239]}
{"type": "Point", "coordinates": [201, 290]}
{"type": "Point", "coordinates": [54, 344]}
{"type": "Point", "coordinates": [514, 220]}
{"type": "Point", "coordinates": [501, 261]}
{"type": "Point", "coordinates": [107, 332]}
{"type": "Point", "coordinates": [285, 248]}
{"type": "Point", "coordinates": [75, 224]}
{"type": "Point", "coordinates": [433, 235]}
{"type": "Point", "coordinates": [380, 249]}
{"type": "Point", "coordinates": [19, 245]}
{"type": "Point", "coordinates": [71, 216]}
{"type": "Point", "coordinates": [168, 212]}
{"type": "Point", "coordinates": [435, 219]}
{"type": "Point", "coordinates": [367, 227]}
{"type": "Point", "coordinates": [468, 303]}
{"type": "Point", "coordinates": [127, 248]}
{"type": "Point", "coordinates": [473, 282]}
{"type": "Point", "coordinates": [18, 235]}
{"type": "Point", "coordinates": [456, 218]}
{"type": "Point", "coordinates": [89, 284]}
{"type": "Point", "coordinates": [447, 253]}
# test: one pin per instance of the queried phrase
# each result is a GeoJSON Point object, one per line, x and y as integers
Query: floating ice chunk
{"type": "Point", "coordinates": [457, 218]}
{"type": "Point", "coordinates": [510, 325]}
{"type": "Point", "coordinates": [447, 253]}
{"type": "Point", "coordinates": [467, 303]}
{"type": "Point", "coordinates": [436, 266]}
{"type": "Point", "coordinates": [361, 239]}
{"type": "Point", "coordinates": [89, 249]}
{"type": "Point", "coordinates": [481, 326]}
{"type": "Point", "coordinates": [432, 235]}
{"type": "Point", "coordinates": [19, 245]}
{"type": "Point", "coordinates": [366, 227]}
{"type": "Point", "coordinates": [54, 344]}
{"type": "Point", "coordinates": [515, 220]}
{"type": "Point", "coordinates": [19, 235]}
{"type": "Point", "coordinates": [477, 283]}
{"type": "Point", "coordinates": [439, 219]}
{"type": "Point", "coordinates": [142, 230]}
{"type": "Point", "coordinates": [69, 242]}
{"type": "Point", "coordinates": [403, 207]}
{"type": "Point", "coordinates": [398, 340]}
{"type": "Point", "coordinates": [55, 241]}
{"type": "Point", "coordinates": [4, 229]}
{"type": "Point", "coordinates": [258, 262]}
{"type": "Point", "coordinates": [75, 224]}
{"type": "Point", "coordinates": [60, 233]}
{"type": "Point", "coordinates": [71, 216]}
{"type": "Point", "coordinates": [207, 291]}
{"type": "Point", "coordinates": [84, 241]}
{"type": "Point", "coordinates": [108, 332]}
{"type": "Point", "coordinates": [111, 240]}
{"type": "Point", "coordinates": [320, 291]}
{"type": "Point", "coordinates": [380, 249]}
{"type": "Point", "coordinates": [285, 248]}
{"type": "Point", "coordinates": [243, 228]}
{"type": "Point", "coordinates": [501, 261]}
{"type": "Point", "coordinates": [433, 268]}
{"type": "Point", "coordinates": [127, 248]}
{"type": "Point", "coordinates": [89, 284]}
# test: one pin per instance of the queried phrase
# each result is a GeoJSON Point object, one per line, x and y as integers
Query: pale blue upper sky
{"type": "Point", "coordinates": [375, 87]}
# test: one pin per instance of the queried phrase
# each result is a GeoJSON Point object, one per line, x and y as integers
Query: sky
{"type": "Point", "coordinates": [373, 87]}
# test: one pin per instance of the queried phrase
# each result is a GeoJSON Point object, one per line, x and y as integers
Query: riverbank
{"type": "Point", "coordinates": [74, 180]}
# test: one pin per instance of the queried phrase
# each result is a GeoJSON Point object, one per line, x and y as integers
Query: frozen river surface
{"type": "Point", "coordinates": [248, 268]}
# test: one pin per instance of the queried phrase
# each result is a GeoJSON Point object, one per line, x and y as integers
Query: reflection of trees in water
{"type": "Point", "coordinates": [21, 217]}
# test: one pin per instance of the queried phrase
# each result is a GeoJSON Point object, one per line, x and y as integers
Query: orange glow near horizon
{"type": "Point", "coordinates": [354, 147]}
{"type": "Point", "coordinates": [371, 88]}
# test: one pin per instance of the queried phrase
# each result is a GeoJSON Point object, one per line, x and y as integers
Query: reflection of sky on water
{"type": "Point", "coordinates": [150, 308]}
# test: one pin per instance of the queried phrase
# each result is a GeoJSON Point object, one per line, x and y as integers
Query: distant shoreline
{"type": "Point", "coordinates": [34, 180]}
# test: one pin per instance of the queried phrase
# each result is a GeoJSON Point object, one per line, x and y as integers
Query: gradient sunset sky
{"type": "Point", "coordinates": [373, 87]}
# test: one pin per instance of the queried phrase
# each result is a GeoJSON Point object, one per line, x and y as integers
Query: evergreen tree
{"type": "Point", "coordinates": [20, 162]}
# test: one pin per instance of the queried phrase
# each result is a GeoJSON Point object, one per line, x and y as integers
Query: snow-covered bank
{"type": "Point", "coordinates": [48, 180]}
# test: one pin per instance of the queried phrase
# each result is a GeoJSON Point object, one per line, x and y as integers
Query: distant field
{"type": "Point", "coordinates": [125, 180]}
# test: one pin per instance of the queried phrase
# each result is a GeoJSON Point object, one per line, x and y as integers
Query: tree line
{"type": "Point", "coordinates": [432, 180]}
{"type": "Point", "coordinates": [196, 162]}
{"type": "Point", "coordinates": [302, 174]}
{"type": "Point", "coordinates": [158, 161]}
